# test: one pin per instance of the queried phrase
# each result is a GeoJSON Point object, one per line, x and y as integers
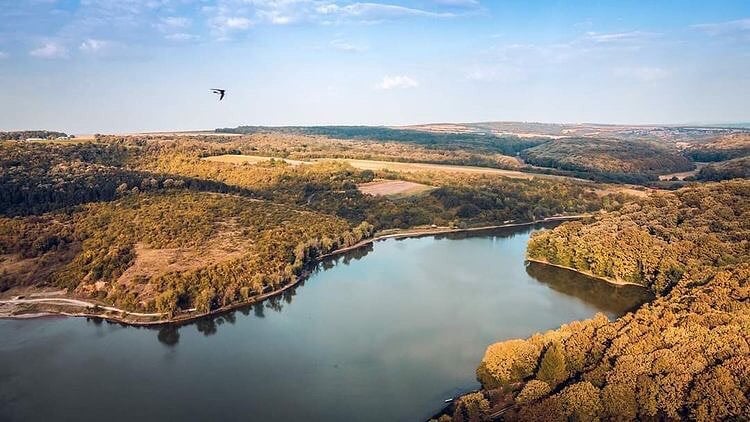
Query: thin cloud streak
{"type": "Point", "coordinates": [396, 82]}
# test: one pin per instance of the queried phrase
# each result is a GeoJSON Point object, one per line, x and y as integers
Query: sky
{"type": "Point", "coordinates": [113, 66]}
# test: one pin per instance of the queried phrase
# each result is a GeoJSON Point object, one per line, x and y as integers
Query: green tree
{"type": "Point", "coordinates": [552, 369]}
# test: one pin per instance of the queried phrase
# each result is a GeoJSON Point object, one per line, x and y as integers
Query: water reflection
{"type": "Point", "coordinates": [169, 335]}
{"type": "Point", "coordinates": [605, 296]}
{"type": "Point", "coordinates": [608, 298]}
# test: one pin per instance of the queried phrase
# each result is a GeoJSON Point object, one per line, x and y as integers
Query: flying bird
{"type": "Point", "coordinates": [220, 92]}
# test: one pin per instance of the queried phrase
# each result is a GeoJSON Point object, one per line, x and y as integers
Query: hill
{"type": "Point", "coordinates": [508, 145]}
{"type": "Point", "coordinates": [724, 170]}
{"type": "Point", "coordinates": [607, 156]}
{"type": "Point", "coordinates": [684, 356]}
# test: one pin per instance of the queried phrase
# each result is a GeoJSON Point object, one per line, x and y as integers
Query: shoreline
{"type": "Point", "coordinates": [588, 274]}
{"type": "Point", "coordinates": [187, 318]}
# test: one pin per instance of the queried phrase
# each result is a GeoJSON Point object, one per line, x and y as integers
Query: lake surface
{"type": "Point", "coordinates": [385, 333]}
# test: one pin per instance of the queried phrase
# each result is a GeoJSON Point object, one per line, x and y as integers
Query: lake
{"type": "Point", "coordinates": [386, 332]}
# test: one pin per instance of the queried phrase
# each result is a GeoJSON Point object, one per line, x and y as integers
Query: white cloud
{"type": "Point", "coordinates": [50, 50]}
{"type": "Point", "coordinates": [399, 81]}
{"type": "Point", "coordinates": [180, 36]}
{"type": "Point", "coordinates": [741, 26]}
{"type": "Point", "coordinates": [3, 55]}
{"type": "Point", "coordinates": [376, 11]}
{"type": "Point", "coordinates": [619, 37]}
{"type": "Point", "coordinates": [175, 22]}
{"type": "Point", "coordinates": [224, 26]}
{"type": "Point", "coordinates": [277, 17]}
{"type": "Point", "coordinates": [237, 23]}
{"type": "Point", "coordinates": [642, 73]}
{"type": "Point", "coordinates": [93, 46]}
{"type": "Point", "coordinates": [458, 3]}
{"type": "Point", "coordinates": [343, 45]}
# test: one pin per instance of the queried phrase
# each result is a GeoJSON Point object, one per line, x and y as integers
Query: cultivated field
{"type": "Point", "coordinates": [393, 188]}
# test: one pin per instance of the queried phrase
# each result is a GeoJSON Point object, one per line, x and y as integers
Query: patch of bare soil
{"type": "Point", "coordinates": [153, 262]}
{"type": "Point", "coordinates": [393, 187]}
{"type": "Point", "coordinates": [150, 262]}
{"type": "Point", "coordinates": [632, 191]}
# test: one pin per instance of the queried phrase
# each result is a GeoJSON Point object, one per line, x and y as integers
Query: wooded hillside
{"type": "Point", "coordinates": [725, 170]}
{"type": "Point", "coordinates": [607, 156]}
{"type": "Point", "coordinates": [684, 356]}
{"type": "Point", "coordinates": [145, 224]}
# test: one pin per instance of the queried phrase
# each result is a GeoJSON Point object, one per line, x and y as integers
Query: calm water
{"type": "Point", "coordinates": [385, 333]}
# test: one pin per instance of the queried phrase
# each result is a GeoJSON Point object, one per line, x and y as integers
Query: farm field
{"type": "Point", "coordinates": [393, 188]}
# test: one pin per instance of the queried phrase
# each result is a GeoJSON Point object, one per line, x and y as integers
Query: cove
{"type": "Point", "coordinates": [385, 332]}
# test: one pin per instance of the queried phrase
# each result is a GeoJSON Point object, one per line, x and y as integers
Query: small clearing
{"type": "Point", "coordinates": [393, 188]}
{"type": "Point", "coordinates": [684, 174]}
{"type": "Point", "coordinates": [152, 262]}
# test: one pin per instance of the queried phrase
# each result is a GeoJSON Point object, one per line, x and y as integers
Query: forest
{"type": "Point", "coordinates": [31, 134]}
{"type": "Point", "coordinates": [602, 153]}
{"type": "Point", "coordinates": [203, 236]}
{"type": "Point", "coordinates": [736, 168]}
{"type": "Point", "coordinates": [233, 232]}
{"type": "Point", "coordinates": [607, 156]}
{"type": "Point", "coordinates": [721, 148]}
{"type": "Point", "coordinates": [684, 356]}
{"type": "Point", "coordinates": [508, 145]}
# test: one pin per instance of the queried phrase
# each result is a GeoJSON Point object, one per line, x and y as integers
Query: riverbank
{"type": "Point", "coordinates": [154, 319]}
{"type": "Point", "coordinates": [588, 274]}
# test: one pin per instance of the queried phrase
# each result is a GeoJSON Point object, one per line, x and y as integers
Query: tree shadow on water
{"type": "Point", "coordinates": [607, 297]}
{"type": "Point", "coordinates": [169, 335]}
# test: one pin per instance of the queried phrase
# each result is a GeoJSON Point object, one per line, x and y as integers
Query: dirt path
{"type": "Point", "coordinates": [75, 302]}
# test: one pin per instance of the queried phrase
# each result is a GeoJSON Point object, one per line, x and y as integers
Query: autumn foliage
{"type": "Point", "coordinates": [686, 355]}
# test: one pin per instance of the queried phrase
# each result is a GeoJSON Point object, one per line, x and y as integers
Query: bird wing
{"type": "Point", "coordinates": [221, 97]}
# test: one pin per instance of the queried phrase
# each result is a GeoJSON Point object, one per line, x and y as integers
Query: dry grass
{"type": "Point", "coordinates": [250, 159]}
{"type": "Point", "coordinates": [228, 244]}
{"type": "Point", "coordinates": [627, 190]}
{"type": "Point", "coordinates": [150, 263]}
{"type": "Point", "coordinates": [391, 166]}
{"type": "Point", "coordinates": [153, 262]}
{"type": "Point", "coordinates": [424, 167]}
{"type": "Point", "coordinates": [729, 141]}
{"type": "Point", "coordinates": [393, 188]}
{"type": "Point", "coordinates": [440, 128]}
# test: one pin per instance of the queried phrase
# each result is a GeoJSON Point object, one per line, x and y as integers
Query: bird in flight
{"type": "Point", "coordinates": [220, 92]}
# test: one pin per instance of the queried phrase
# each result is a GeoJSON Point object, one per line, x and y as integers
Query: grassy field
{"type": "Point", "coordinates": [401, 188]}
{"type": "Point", "coordinates": [251, 159]}
{"type": "Point", "coordinates": [391, 165]}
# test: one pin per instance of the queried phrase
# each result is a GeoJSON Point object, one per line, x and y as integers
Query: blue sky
{"type": "Point", "coordinates": [137, 65]}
